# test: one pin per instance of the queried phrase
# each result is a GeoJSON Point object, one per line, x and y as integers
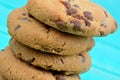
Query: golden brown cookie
{"type": "Point", "coordinates": [79, 17]}
{"type": "Point", "coordinates": [13, 68]}
{"type": "Point", "coordinates": [1, 77]}
{"type": "Point", "coordinates": [75, 64]}
{"type": "Point", "coordinates": [33, 33]}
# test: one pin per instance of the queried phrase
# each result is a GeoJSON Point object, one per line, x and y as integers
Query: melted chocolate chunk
{"type": "Point", "coordinates": [66, 4]}
{"type": "Point", "coordinates": [77, 6]}
{"type": "Point", "coordinates": [77, 25]}
{"type": "Point", "coordinates": [17, 28]}
{"type": "Point", "coordinates": [77, 16]}
{"type": "Point", "coordinates": [62, 61]}
{"type": "Point", "coordinates": [103, 25]}
{"type": "Point", "coordinates": [83, 58]}
{"type": "Point", "coordinates": [88, 15]}
{"type": "Point", "coordinates": [61, 25]}
{"type": "Point", "coordinates": [71, 11]}
{"type": "Point", "coordinates": [31, 60]}
{"type": "Point", "coordinates": [105, 13]}
{"type": "Point", "coordinates": [60, 77]}
{"type": "Point", "coordinates": [101, 33]}
{"type": "Point", "coordinates": [87, 23]}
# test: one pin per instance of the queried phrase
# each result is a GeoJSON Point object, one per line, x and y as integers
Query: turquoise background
{"type": "Point", "coordinates": [106, 53]}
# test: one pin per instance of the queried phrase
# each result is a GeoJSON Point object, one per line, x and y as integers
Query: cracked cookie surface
{"type": "Point", "coordinates": [79, 17]}
{"type": "Point", "coordinates": [27, 30]}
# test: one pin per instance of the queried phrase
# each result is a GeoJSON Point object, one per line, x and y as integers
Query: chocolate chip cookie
{"type": "Point", "coordinates": [27, 30]}
{"type": "Point", "coordinates": [79, 17]}
{"type": "Point", "coordinates": [13, 68]}
{"type": "Point", "coordinates": [1, 77]}
{"type": "Point", "coordinates": [75, 64]}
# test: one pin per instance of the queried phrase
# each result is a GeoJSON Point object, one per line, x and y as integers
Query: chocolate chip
{"type": "Point", "coordinates": [103, 25]}
{"type": "Point", "coordinates": [77, 16]}
{"type": "Point", "coordinates": [105, 13]}
{"type": "Point", "coordinates": [58, 50]}
{"type": "Point", "coordinates": [60, 77]}
{"type": "Point", "coordinates": [77, 6]}
{"type": "Point", "coordinates": [76, 25]}
{"type": "Point", "coordinates": [88, 15]}
{"type": "Point", "coordinates": [61, 25]}
{"type": "Point", "coordinates": [31, 60]}
{"type": "Point", "coordinates": [62, 61]}
{"type": "Point", "coordinates": [83, 58]}
{"type": "Point", "coordinates": [71, 11]}
{"type": "Point", "coordinates": [116, 24]}
{"type": "Point", "coordinates": [101, 33]}
{"type": "Point", "coordinates": [87, 23]}
{"type": "Point", "coordinates": [66, 4]}
{"type": "Point", "coordinates": [17, 28]}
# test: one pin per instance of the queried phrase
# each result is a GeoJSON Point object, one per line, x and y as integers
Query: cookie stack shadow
{"type": "Point", "coordinates": [50, 45]}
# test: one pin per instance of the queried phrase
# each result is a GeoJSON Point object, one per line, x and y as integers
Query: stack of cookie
{"type": "Point", "coordinates": [51, 39]}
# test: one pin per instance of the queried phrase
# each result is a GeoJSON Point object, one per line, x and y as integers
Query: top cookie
{"type": "Point", "coordinates": [79, 17]}
{"type": "Point", "coordinates": [27, 30]}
